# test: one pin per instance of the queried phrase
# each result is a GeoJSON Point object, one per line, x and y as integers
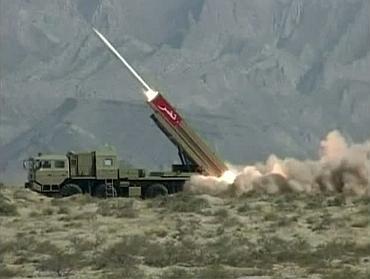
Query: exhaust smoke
{"type": "Point", "coordinates": [341, 168]}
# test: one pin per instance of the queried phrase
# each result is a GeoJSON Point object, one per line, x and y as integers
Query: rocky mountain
{"type": "Point", "coordinates": [257, 77]}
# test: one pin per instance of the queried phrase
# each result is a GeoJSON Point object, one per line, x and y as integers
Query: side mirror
{"type": "Point", "coordinates": [25, 164]}
{"type": "Point", "coordinates": [36, 165]}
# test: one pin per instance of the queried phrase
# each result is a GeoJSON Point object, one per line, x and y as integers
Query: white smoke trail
{"type": "Point", "coordinates": [341, 168]}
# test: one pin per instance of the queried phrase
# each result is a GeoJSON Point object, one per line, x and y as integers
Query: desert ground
{"type": "Point", "coordinates": [186, 235]}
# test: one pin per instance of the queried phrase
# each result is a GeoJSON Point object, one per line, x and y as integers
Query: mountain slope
{"type": "Point", "coordinates": [284, 72]}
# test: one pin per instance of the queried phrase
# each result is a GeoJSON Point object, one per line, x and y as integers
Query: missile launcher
{"type": "Point", "coordinates": [195, 155]}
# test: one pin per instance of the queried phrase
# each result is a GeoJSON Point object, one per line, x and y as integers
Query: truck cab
{"type": "Point", "coordinates": [46, 172]}
{"type": "Point", "coordinates": [73, 173]}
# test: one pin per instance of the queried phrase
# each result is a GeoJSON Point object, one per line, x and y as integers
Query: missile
{"type": "Point", "coordinates": [192, 148]}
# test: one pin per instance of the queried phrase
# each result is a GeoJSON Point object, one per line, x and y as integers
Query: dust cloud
{"type": "Point", "coordinates": [341, 168]}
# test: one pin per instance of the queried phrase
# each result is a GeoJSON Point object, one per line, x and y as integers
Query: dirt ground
{"type": "Point", "coordinates": [255, 236]}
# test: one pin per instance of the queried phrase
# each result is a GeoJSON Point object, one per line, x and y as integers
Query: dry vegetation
{"type": "Point", "coordinates": [184, 236]}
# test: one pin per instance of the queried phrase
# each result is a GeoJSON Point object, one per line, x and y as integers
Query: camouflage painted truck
{"type": "Point", "coordinates": [99, 174]}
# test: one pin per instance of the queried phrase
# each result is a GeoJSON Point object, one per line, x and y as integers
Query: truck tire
{"type": "Point", "coordinates": [156, 190]}
{"type": "Point", "coordinates": [70, 189]}
{"type": "Point", "coordinates": [101, 191]}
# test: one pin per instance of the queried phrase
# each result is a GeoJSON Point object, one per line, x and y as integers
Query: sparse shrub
{"type": "Point", "coordinates": [74, 200]}
{"type": "Point", "coordinates": [231, 222]}
{"type": "Point", "coordinates": [121, 208]}
{"type": "Point", "coordinates": [44, 247]}
{"type": "Point", "coordinates": [132, 272]}
{"type": "Point", "coordinates": [74, 219]}
{"type": "Point", "coordinates": [171, 252]}
{"type": "Point", "coordinates": [66, 218]}
{"type": "Point", "coordinates": [223, 216]}
{"type": "Point", "coordinates": [315, 201]}
{"type": "Point", "coordinates": [98, 241]}
{"type": "Point", "coordinates": [59, 202]}
{"type": "Point", "coordinates": [220, 230]}
{"type": "Point", "coordinates": [47, 211]}
{"type": "Point", "coordinates": [222, 213]}
{"type": "Point", "coordinates": [159, 232]}
{"type": "Point", "coordinates": [34, 214]}
{"type": "Point", "coordinates": [5, 247]}
{"type": "Point", "coordinates": [348, 251]}
{"type": "Point", "coordinates": [181, 202]}
{"type": "Point", "coordinates": [161, 254]}
{"type": "Point", "coordinates": [270, 216]}
{"type": "Point", "coordinates": [244, 208]}
{"type": "Point", "coordinates": [64, 210]}
{"type": "Point", "coordinates": [324, 222]}
{"type": "Point", "coordinates": [229, 251]}
{"type": "Point", "coordinates": [24, 244]}
{"type": "Point", "coordinates": [249, 194]}
{"type": "Point", "coordinates": [5, 272]}
{"type": "Point", "coordinates": [80, 244]}
{"type": "Point", "coordinates": [81, 199]}
{"type": "Point", "coordinates": [176, 272]}
{"type": "Point", "coordinates": [272, 250]}
{"type": "Point", "coordinates": [288, 199]}
{"type": "Point", "coordinates": [346, 273]}
{"type": "Point", "coordinates": [209, 272]}
{"type": "Point", "coordinates": [284, 221]}
{"type": "Point", "coordinates": [338, 200]}
{"type": "Point", "coordinates": [239, 252]}
{"type": "Point", "coordinates": [186, 227]}
{"type": "Point", "coordinates": [361, 223]}
{"type": "Point", "coordinates": [364, 210]}
{"type": "Point", "coordinates": [22, 194]}
{"type": "Point", "coordinates": [59, 262]}
{"type": "Point", "coordinates": [123, 253]}
{"type": "Point", "coordinates": [362, 200]}
{"type": "Point", "coordinates": [137, 249]}
{"type": "Point", "coordinates": [7, 208]}
{"type": "Point", "coordinates": [215, 272]}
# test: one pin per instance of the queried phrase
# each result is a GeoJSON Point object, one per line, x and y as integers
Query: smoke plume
{"type": "Point", "coordinates": [341, 168]}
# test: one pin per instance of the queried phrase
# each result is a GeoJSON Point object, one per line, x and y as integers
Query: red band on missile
{"type": "Point", "coordinates": [166, 110]}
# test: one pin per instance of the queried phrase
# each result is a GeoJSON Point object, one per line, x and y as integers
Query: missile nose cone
{"type": "Point", "coordinates": [98, 33]}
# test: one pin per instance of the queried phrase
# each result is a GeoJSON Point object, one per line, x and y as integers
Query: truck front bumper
{"type": "Point", "coordinates": [33, 186]}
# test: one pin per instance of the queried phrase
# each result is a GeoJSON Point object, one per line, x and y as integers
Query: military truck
{"type": "Point", "coordinates": [98, 173]}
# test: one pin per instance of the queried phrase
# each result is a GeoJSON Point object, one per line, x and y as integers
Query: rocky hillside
{"type": "Point", "coordinates": [283, 72]}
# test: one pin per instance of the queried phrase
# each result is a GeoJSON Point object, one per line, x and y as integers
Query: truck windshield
{"type": "Point", "coordinates": [31, 164]}
{"type": "Point", "coordinates": [45, 164]}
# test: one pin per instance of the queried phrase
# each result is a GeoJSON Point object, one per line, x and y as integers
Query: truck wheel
{"type": "Point", "coordinates": [101, 191]}
{"type": "Point", "coordinates": [70, 189]}
{"type": "Point", "coordinates": [156, 190]}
